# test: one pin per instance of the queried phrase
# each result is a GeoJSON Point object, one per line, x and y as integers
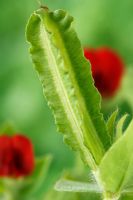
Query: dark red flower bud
{"type": "Point", "coordinates": [107, 69]}
{"type": "Point", "coordinates": [16, 156]}
{"type": "Point", "coordinates": [5, 155]}
{"type": "Point", "coordinates": [23, 156]}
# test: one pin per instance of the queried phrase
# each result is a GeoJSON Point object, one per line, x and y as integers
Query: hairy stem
{"type": "Point", "coordinates": [106, 195]}
{"type": "Point", "coordinates": [109, 196]}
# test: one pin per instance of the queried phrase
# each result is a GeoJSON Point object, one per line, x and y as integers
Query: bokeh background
{"type": "Point", "coordinates": [98, 23]}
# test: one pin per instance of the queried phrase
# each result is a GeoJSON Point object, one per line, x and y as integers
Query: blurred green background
{"type": "Point", "coordinates": [98, 23]}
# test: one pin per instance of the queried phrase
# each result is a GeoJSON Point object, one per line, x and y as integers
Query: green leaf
{"type": "Point", "coordinates": [119, 127]}
{"type": "Point", "coordinates": [67, 83]}
{"type": "Point", "coordinates": [74, 186]}
{"type": "Point", "coordinates": [111, 124]}
{"type": "Point", "coordinates": [116, 171]}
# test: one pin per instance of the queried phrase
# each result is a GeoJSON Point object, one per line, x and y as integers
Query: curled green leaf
{"type": "Point", "coordinates": [111, 125]}
{"type": "Point", "coordinates": [119, 127]}
{"type": "Point", "coordinates": [67, 83]}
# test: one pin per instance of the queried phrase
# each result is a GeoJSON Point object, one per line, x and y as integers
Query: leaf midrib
{"type": "Point", "coordinates": [98, 147]}
{"type": "Point", "coordinates": [69, 110]}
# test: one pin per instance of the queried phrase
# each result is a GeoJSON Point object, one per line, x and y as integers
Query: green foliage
{"type": "Point", "coordinates": [120, 126]}
{"type": "Point", "coordinates": [116, 167]}
{"type": "Point", "coordinates": [111, 125]}
{"type": "Point", "coordinates": [19, 87]}
{"type": "Point", "coordinates": [69, 89]}
{"type": "Point", "coordinates": [67, 83]}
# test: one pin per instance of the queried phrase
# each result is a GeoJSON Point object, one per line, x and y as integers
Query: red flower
{"type": "Point", "coordinates": [16, 156]}
{"type": "Point", "coordinates": [5, 155]}
{"type": "Point", "coordinates": [107, 69]}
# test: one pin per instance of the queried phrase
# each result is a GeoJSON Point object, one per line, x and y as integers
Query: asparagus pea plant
{"type": "Point", "coordinates": [69, 89]}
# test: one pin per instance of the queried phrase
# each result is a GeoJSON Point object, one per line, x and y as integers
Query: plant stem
{"type": "Point", "coordinates": [107, 196]}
